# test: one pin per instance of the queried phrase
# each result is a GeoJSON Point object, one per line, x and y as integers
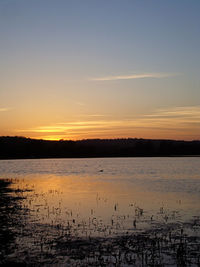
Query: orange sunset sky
{"type": "Point", "coordinates": [100, 69]}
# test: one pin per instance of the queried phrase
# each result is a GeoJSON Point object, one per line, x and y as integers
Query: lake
{"type": "Point", "coordinates": [55, 203]}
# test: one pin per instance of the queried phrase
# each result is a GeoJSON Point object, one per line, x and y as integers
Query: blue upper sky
{"type": "Point", "coordinates": [100, 68]}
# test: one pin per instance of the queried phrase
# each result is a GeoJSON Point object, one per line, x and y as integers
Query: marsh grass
{"type": "Point", "coordinates": [27, 240]}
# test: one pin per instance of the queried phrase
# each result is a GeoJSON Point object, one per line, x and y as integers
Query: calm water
{"type": "Point", "coordinates": [109, 187]}
{"type": "Point", "coordinates": [103, 197]}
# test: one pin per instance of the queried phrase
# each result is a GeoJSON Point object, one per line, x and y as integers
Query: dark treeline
{"type": "Point", "coordinates": [21, 147]}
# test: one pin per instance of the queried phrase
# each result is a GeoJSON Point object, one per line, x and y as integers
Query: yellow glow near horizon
{"type": "Point", "coordinates": [76, 71]}
{"type": "Point", "coordinates": [174, 123]}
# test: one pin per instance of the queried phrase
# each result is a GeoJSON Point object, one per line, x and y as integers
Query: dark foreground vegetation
{"type": "Point", "coordinates": [24, 241]}
{"type": "Point", "coordinates": [12, 215]}
{"type": "Point", "coordinates": [21, 147]}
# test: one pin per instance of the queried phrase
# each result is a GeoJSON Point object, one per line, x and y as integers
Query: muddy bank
{"type": "Point", "coordinates": [12, 216]}
{"type": "Point", "coordinates": [24, 241]}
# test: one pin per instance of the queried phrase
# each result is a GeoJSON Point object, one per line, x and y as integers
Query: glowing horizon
{"type": "Point", "coordinates": [168, 122]}
{"type": "Point", "coordinates": [100, 70]}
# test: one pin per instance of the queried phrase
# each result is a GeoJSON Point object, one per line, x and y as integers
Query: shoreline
{"type": "Point", "coordinates": [27, 243]}
{"type": "Point", "coordinates": [100, 157]}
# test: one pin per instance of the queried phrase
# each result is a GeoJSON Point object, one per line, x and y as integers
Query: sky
{"type": "Point", "coordinates": [83, 69]}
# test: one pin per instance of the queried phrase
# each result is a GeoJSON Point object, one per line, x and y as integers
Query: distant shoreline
{"type": "Point", "coordinates": [116, 157]}
{"type": "Point", "coordinates": [27, 148]}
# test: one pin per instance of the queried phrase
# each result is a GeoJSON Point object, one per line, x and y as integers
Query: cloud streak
{"type": "Point", "coordinates": [4, 109]}
{"type": "Point", "coordinates": [133, 76]}
{"type": "Point", "coordinates": [173, 122]}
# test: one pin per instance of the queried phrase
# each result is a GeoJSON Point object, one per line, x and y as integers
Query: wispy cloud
{"type": "Point", "coordinates": [133, 76]}
{"type": "Point", "coordinates": [95, 115]}
{"type": "Point", "coordinates": [180, 114]}
{"type": "Point", "coordinates": [4, 109]}
{"type": "Point", "coordinates": [172, 122]}
{"type": "Point", "coordinates": [80, 103]}
{"type": "Point", "coordinates": [92, 115]}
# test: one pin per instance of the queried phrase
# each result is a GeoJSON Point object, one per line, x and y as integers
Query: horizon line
{"type": "Point", "coordinates": [77, 140]}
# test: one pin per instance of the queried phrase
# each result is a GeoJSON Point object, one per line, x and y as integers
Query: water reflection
{"type": "Point", "coordinates": [77, 201]}
{"type": "Point", "coordinates": [94, 219]}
